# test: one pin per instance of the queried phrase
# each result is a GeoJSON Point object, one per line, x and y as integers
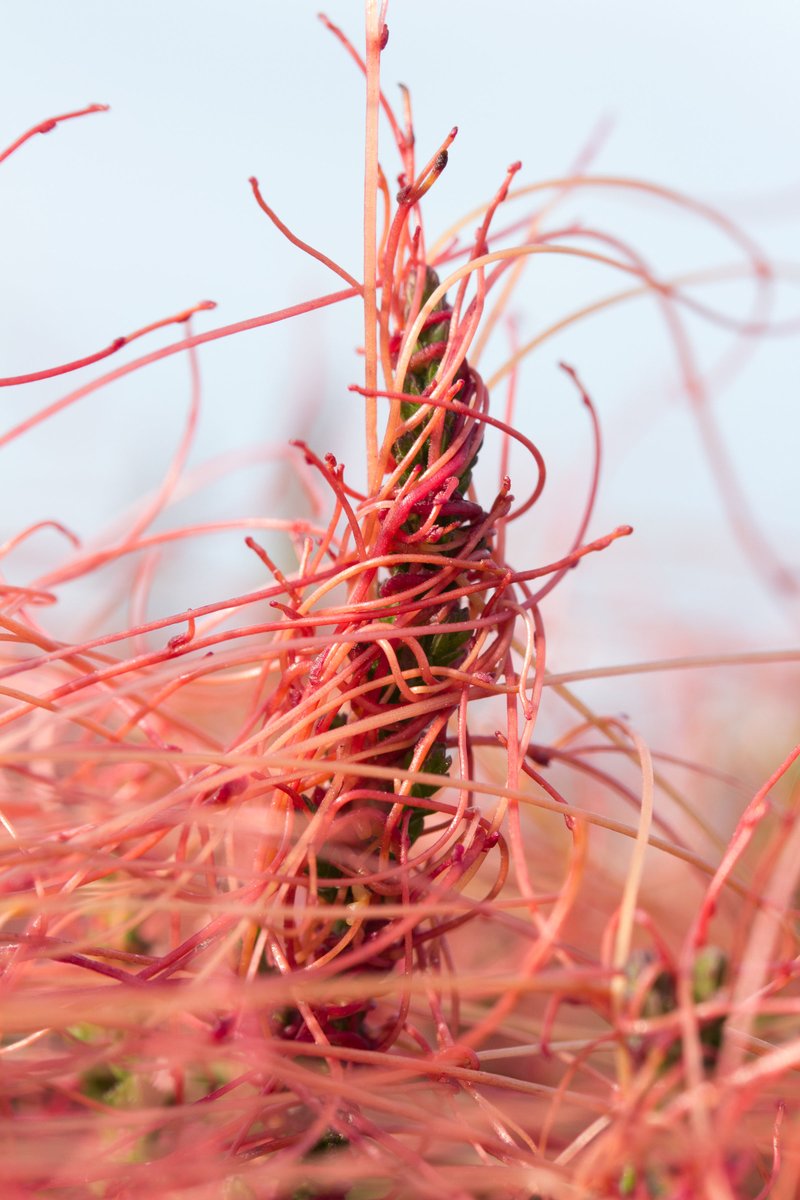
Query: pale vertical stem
{"type": "Point", "coordinates": [372, 57]}
{"type": "Point", "coordinates": [630, 895]}
{"type": "Point", "coordinates": [627, 909]}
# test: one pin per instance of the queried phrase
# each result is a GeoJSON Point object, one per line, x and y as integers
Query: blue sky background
{"type": "Point", "coordinates": [121, 218]}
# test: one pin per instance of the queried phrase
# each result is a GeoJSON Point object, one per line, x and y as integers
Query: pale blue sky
{"type": "Point", "coordinates": [121, 218]}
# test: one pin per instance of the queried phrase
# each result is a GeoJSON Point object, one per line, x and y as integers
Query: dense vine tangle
{"type": "Point", "coordinates": [423, 616]}
{"type": "Point", "coordinates": [401, 615]}
{"type": "Point", "coordinates": [271, 890]}
{"type": "Point", "coordinates": [427, 629]}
